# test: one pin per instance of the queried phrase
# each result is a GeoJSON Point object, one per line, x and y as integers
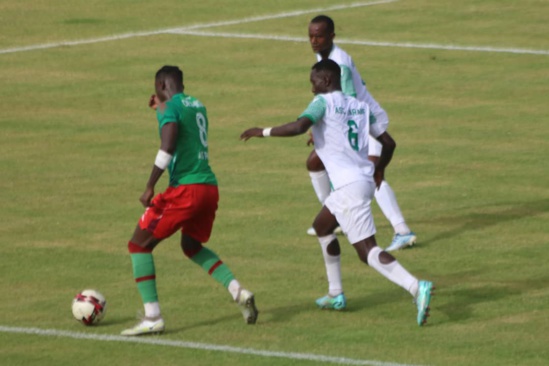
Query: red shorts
{"type": "Point", "coordinates": [189, 208]}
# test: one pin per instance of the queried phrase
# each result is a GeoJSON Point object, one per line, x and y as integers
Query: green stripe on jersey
{"type": "Point", "coordinates": [316, 109]}
{"type": "Point", "coordinates": [347, 86]}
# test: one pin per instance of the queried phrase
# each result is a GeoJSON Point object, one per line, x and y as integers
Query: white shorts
{"type": "Point", "coordinates": [374, 147]}
{"type": "Point", "coordinates": [351, 207]}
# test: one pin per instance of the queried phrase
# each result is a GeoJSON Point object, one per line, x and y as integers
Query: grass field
{"type": "Point", "coordinates": [466, 87]}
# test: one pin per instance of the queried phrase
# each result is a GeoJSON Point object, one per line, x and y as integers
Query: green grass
{"type": "Point", "coordinates": [77, 142]}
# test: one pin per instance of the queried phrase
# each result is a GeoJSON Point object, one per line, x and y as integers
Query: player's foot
{"type": "Point", "coordinates": [328, 302]}
{"type": "Point", "coordinates": [146, 326]}
{"type": "Point", "coordinates": [423, 299]}
{"type": "Point", "coordinates": [246, 303]}
{"type": "Point", "coordinates": [311, 231]}
{"type": "Point", "coordinates": [400, 241]}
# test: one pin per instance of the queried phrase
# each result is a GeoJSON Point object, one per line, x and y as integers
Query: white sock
{"type": "Point", "coordinates": [321, 184]}
{"type": "Point", "coordinates": [393, 271]}
{"type": "Point", "coordinates": [386, 200]}
{"type": "Point", "coordinates": [234, 287]}
{"type": "Point", "coordinates": [152, 309]}
{"type": "Point", "coordinates": [402, 229]}
{"type": "Point", "coordinates": [333, 266]}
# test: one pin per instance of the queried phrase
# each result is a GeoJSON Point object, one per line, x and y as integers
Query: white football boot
{"type": "Point", "coordinates": [246, 302]}
{"type": "Point", "coordinates": [146, 326]}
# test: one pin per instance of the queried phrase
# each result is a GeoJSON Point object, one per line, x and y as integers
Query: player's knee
{"type": "Point", "coordinates": [134, 248]}
{"type": "Point", "coordinates": [334, 248]}
{"type": "Point", "coordinates": [386, 258]}
{"type": "Point", "coordinates": [363, 248]}
{"type": "Point", "coordinates": [190, 246]}
{"type": "Point", "coordinates": [322, 230]}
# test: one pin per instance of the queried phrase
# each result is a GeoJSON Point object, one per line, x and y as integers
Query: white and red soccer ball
{"type": "Point", "coordinates": [89, 307]}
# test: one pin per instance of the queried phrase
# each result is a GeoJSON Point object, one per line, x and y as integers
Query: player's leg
{"type": "Point", "coordinates": [351, 206]}
{"type": "Point", "coordinates": [354, 213]}
{"type": "Point", "coordinates": [159, 221]}
{"type": "Point", "coordinates": [210, 262]}
{"type": "Point", "coordinates": [385, 264]}
{"type": "Point", "coordinates": [319, 177]}
{"type": "Point", "coordinates": [390, 268]}
{"type": "Point", "coordinates": [320, 181]}
{"type": "Point", "coordinates": [386, 199]}
{"type": "Point", "coordinates": [140, 247]}
{"type": "Point", "coordinates": [324, 225]}
{"type": "Point", "coordinates": [196, 229]}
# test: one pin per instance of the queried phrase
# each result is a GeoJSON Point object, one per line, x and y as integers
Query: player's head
{"type": "Point", "coordinates": [325, 77]}
{"type": "Point", "coordinates": [321, 34]}
{"type": "Point", "coordinates": [168, 81]}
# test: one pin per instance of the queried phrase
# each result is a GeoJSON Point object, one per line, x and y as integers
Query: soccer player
{"type": "Point", "coordinates": [188, 204]}
{"type": "Point", "coordinates": [353, 176]}
{"type": "Point", "coordinates": [321, 37]}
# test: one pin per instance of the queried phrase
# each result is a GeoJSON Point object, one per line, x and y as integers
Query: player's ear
{"type": "Point", "coordinates": [327, 79]}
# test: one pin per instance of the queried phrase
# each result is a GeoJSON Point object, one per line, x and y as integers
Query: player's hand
{"type": "Point", "coordinates": [379, 176]}
{"type": "Point", "coordinates": [252, 132]}
{"type": "Point", "coordinates": [310, 141]}
{"type": "Point", "coordinates": [146, 197]}
{"type": "Point", "coordinates": [153, 101]}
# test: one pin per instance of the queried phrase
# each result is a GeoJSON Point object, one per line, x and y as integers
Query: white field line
{"type": "Point", "coordinates": [192, 27]}
{"type": "Point", "coordinates": [191, 30]}
{"type": "Point", "coordinates": [157, 341]}
{"type": "Point", "coordinates": [364, 43]}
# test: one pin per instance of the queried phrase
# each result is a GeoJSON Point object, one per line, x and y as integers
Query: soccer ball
{"type": "Point", "coordinates": [89, 307]}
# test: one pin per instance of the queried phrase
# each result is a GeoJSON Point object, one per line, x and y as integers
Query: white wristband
{"type": "Point", "coordinates": [267, 132]}
{"type": "Point", "coordinates": [162, 159]}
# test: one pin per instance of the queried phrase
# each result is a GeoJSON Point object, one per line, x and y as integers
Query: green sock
{"type": "Point", "coordinates": [210, 262]}
{"type": "Point", "coordinates": [145, 276]}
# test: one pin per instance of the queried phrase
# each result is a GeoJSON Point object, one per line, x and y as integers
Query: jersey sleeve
{"type": "Point", "coordinates": [347, 86]}
{"type": "Point", "coordinates": [316, 109]}
{"type": "Point", "coordinates": [376, 126]}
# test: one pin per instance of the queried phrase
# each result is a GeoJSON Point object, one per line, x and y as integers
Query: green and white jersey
{"type": "Point", "coordinates": [341, 126]}
{"type": "Point", "coordinates": [353, 85]}
{"type": "Point", "coordinates": [190, 164]}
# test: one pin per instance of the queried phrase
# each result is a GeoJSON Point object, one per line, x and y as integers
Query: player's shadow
{"type": "Point", "coordinates": [283, 314]}
{"type": "Point", "coordinates": [455, 304]}
{"type": "Point", "coordinates": [490, 216]}
{"type": "Point", "coordinates": [189, 325]}
{"type": "Point", "coordinates": [266, 315]}
{"type": "Point", "coordinates": [459, 305]}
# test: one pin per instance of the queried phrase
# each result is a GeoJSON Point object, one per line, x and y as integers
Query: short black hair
{"type": "Point", "coordinates": [328, 65]}
{"type": "Point", "coordinates": [330, 27]}
{"type": "Point", "coordinates": [171, 72]}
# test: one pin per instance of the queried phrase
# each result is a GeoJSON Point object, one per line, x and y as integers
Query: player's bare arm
{"type": "Point", "coordinates": [168, 141]}
{"type": "Point", "coordinates": [389, 146]}
{"type": "Point", "coordinates": [298, 127]}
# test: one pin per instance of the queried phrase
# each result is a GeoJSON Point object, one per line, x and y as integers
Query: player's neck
{"type": "Point", "coordinates": [326, 53]}
{"type": "Point", "coordinates": [171, 92]}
